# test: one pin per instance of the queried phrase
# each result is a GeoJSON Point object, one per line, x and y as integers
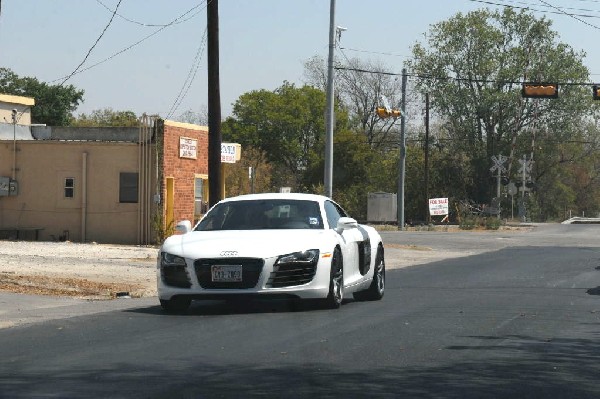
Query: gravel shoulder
{"type": "Point", "coordinates": [99, 271]}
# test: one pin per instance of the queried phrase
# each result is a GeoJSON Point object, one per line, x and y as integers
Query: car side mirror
{"type": "Point", "coordinates": [185, 226]}
{"type": "Point", "coordinates": [346, 223]}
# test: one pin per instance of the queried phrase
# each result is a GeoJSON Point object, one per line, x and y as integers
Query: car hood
{"type": "Point", "coordinates": [246, 243]}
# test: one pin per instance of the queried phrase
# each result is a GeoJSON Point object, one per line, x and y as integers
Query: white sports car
{"type": "Point", "coordinates": [282, 245]}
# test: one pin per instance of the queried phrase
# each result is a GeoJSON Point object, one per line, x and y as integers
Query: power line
{"type": "Point", "coordinates": [190, 77]}
{"type": "Point", "coordinates": [94, 45]}
{"type": "Point", "coordinates": [570, 15]}
{"type": "Point", "coordinates": [134, 21]}
{"type": "Point", "coordinates": [470, 80]}
{"type": "Point", "coordinates": [375, 52]}
{"type": "Point", "coordinates": [493, 3]}
{"type": "Point", "coordinates": [141, 40]}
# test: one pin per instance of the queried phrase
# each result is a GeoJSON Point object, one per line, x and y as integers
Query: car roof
{"type": "Point", "coordinates": [288, 196]}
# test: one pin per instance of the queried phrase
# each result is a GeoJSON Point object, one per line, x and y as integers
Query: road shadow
{"type": "Point", "coordinates": [241, 306]}
{"type": "Point", "coordinates": [515, 366]}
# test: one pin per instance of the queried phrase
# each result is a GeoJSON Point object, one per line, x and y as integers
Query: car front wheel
{"type": "Point", "coordinates": [336, 282]}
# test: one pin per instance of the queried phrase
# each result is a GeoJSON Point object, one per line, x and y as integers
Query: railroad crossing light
{"type": "Point", "coordinates": [539, 90]}
{"type": "Point", "coordinates": [382, 112]}
{"type": "Point", "coordinates": [596, 92]}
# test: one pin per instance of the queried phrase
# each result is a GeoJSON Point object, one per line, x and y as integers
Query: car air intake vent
{"type": "Point", "coordinates": [175, 276]}
{"type": "Point", "coordinates": [229, 277]}
{"type": "Point", "coordinates": [291, 274]}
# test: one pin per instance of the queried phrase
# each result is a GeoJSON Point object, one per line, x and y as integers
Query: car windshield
{"type": "Point", "coordinates": [262, 214]}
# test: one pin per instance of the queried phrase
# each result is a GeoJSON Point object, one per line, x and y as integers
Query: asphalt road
{"type": "Point", "coordinates": [519, 319]}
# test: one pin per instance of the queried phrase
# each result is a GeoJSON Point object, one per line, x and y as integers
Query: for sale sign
{"type": "Point", "coordinates": [438, 206]}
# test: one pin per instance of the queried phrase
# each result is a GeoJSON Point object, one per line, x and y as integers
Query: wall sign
{"type": "Point", "coordinates": [188, 148]}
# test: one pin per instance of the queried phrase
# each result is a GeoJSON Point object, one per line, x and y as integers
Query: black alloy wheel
{"type": "Point", "coordinates": [336, 281]}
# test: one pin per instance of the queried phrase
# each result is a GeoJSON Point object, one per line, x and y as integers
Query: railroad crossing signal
{"type": "Point", "coordinates": [498, 163]}
{"type": "Point", "coordinates": [526, 166]}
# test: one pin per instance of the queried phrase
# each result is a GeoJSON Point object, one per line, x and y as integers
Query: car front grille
{"type": "Point", "coordinates": [175, 276]}
{"type": "Point", "coordinates": [251, 269]}
{"type": "Point", "coordinates": [291, 274]}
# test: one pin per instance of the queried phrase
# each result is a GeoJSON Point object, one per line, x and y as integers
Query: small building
{"type": "Point", "coordinates": [106, 185]}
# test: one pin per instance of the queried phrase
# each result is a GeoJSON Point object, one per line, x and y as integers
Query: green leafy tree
{"type": "Point", "coordinates": [54, 104]}
{"type": "Point", "coordinates": [287, 125]}
{"type": "Point", "coordinates": [472, 66]}
{"type": "Point", "coordinates": [106, 117]}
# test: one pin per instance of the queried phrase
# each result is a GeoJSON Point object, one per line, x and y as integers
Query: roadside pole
{"type": "Point", "coordinates": [402, 161]}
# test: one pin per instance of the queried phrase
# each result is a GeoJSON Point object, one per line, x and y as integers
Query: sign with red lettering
{"type": "Point", "coordinates": [438, 206]}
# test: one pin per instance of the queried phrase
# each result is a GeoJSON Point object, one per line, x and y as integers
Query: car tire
{"type": "Point", "coordinates": [175, 305]}
{"type": "Point", "coordinates": [336, 281]}
{"type": "Point", "coordinates": [377, 288]}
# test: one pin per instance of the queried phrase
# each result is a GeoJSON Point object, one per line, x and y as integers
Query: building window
{"type": "Point", "coordinates": [128, 188]}
{"type": "Point", "coordinates": [69, 187]}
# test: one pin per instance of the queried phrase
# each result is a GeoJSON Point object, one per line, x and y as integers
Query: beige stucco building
{"type": "Point", "coordinates": [18, 106]}
{"type": "Point", "coordinates": [106, 185]}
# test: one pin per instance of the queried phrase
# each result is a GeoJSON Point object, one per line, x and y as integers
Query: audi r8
{"type": "Point", "coordinates": [300, 246]}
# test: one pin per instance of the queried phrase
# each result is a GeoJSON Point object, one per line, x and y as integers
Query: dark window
{"type": "Point", "coordinates": [333, 213]}
{"type": "Point", "coordinates": [128, 187]}
{"type": "Point", "coordinates": [263, 214]}
{"type": "Point", "coordinates": [69, 187]}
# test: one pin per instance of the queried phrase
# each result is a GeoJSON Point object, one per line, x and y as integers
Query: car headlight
{"type": "Point", "coordinates": [310, 256]}
{"type": "Point", "coordinates": [167, 259]}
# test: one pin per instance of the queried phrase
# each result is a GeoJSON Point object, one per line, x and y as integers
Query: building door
{"type": "Point", "coordinates": [169, 204]}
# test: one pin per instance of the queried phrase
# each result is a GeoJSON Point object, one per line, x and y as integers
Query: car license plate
{"type": "Point", "coordinates": [226, 273]}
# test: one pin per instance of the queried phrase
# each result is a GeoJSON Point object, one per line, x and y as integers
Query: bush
{"type": "Point", "coordinates": [468, 223]}
{"type": "Point", "coordinates": [492, 223]}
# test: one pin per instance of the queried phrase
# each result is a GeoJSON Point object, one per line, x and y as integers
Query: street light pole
{"type": "Point", "coordinates": [329, 115]}
{"type": "Point", "coordinates": [402, 160]}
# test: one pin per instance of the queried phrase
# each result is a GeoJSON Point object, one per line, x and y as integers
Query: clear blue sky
{"type": "Point", "coordinates": [262, 42]}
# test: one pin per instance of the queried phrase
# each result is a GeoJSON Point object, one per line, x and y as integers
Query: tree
{"type": "Point", "coordinates": [287, 125]}
{"type": "Point", "coordinates": [54, 104]}
{"type": "Point", "coordinates": [106, 117]}
{"type": "Point", "coordinates": [360, 88]}
{"type": "Point", "coordinates": [196, 118]}
{"type": "Point", "coordinates": [473, 65]}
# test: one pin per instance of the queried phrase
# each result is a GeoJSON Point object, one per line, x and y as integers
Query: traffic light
{"type": "Point", "coordinates": [539, 90]}
{"type": "Point", "coordinates": [596, 93]}
{"type": "Point", "coordinates": [382, 112]}
{"type": "Point", "coordinates": [395, 113]}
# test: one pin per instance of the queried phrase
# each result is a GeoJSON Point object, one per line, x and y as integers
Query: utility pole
{"type": "Point", "coordinates": [402, 161]}
{"type": "Point", "coordinates": [214, 103]}
{"type": "Point", "coordinates": [329, 115]}
{"type": "Point", "coordinates": [427, 215]}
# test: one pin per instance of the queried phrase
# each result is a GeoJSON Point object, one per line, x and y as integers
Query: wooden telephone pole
{"type": "Point", "coordinates": [214, 104]}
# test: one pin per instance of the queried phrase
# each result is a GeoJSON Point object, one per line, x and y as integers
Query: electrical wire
{"type": "Point", "coordinates": [190, 77]}
{"type": "Point", "coordinates": [568, 14]}
{"type": "Point", "coordinates": [420, 76]}
{"type": "Point", "coordinates": [141, 40]}
{"type": "Point", "coordinates": [493, 3]}
{"type": "Point", "coordinates": [375, 52]}
{"type": "Point", "coordinates": [131, 20]}
{"type": "Point", "coordinates": [94, 45]}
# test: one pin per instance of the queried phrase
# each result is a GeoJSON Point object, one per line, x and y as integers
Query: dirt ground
{"type": "Point", "coordinates": [100, 271]}
{"type": "Point", "coordinates": [91, 271]}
